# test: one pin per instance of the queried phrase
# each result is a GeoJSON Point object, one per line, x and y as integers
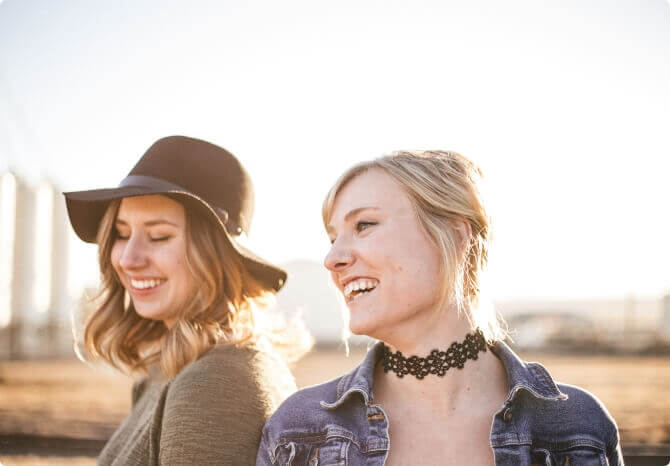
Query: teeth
{"type": "Point", "coordinates": [362, 284]}
{"type": "Point", "coordinates": [144, 284]}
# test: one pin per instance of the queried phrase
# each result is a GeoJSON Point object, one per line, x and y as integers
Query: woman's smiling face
{"type": "Point", "coordinates": [378, 245]}
{"type": "Point", "coordinates": [149, 256]}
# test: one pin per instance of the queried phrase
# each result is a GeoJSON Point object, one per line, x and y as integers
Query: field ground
{"type": "Point", "coordinates": [71, 399]}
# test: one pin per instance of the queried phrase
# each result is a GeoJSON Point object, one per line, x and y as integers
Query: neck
{"type": "Point", "coordinates": [419, 335]}
{"type": "Point", "coordinates": [438, 362]}
{"type": "Point", "coordinates": [444, 393]}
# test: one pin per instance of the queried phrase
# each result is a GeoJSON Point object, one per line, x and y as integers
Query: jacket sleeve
{"type": "Point", "coordinates": [614, 454]}
{"type": "Point", "coordinates": [615, 457]}
{"type": "Point", "coordinates": [213, 414]}
{"type": "Point", "coordinates": [263, 458]}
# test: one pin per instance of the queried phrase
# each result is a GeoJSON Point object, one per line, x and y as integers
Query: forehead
{"type": "Point", "coordinates": [372, 188]}
{"type": "Point", "coordinates": [150, 206]}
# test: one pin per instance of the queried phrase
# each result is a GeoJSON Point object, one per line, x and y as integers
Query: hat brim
{"type": "Point", "coordinates": [86, 209]}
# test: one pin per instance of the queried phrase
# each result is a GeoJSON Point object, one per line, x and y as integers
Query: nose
{"type": "Point", "coordinates": [339, 257]}
{"type": "Point", "coordinates": [134, 254]}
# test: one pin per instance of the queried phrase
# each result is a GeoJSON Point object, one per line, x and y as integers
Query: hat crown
{"type": "Point", "coordinates": [203, 169]}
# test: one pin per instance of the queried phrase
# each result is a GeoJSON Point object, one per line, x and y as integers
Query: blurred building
{"type": "Point", "coordinates": [628, 325]}
{"type": "Point", "coordinates": [34, 317]}
{"type": "Point", "coordinates": [7, 229]}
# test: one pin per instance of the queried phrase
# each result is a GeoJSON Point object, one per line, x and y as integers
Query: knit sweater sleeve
{"type": "Point", "coordinates": [214, 411]}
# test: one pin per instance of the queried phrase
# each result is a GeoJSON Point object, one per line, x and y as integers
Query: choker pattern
{"type": "Point", "coordinates": [437, 362]}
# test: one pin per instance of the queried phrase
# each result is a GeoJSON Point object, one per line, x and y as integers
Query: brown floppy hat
{"type": "Point", "coordinates": [195, 171]}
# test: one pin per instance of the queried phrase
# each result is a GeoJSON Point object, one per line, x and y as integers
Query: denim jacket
{"type": "Point", "coordinates": [337, 423]}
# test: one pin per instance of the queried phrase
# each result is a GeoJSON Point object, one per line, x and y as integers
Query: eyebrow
{"type": "Point", "coordinates": [150, 223]}
{"type": "Point", "coordinates": [353, 213]}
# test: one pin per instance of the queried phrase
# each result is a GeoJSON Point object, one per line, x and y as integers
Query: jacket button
{"type": "Point", "coordinates": [507, 415]}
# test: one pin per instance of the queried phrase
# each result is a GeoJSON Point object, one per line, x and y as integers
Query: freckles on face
{"type": "Point", "coordinates": [382, 241]}
{"type": "Point", "coordinates": [149, 256]}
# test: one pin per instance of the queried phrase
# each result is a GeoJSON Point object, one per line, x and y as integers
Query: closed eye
{"type": "Point", "coordinates": [120, 236]}
{"type": "Point", "coordinates": [156, 239]}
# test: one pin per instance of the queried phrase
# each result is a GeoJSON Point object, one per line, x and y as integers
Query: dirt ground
{"type": "Point", "coordinates": [71, 399]}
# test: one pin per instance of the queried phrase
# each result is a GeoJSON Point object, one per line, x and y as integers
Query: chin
{"type": "Point", "coordinates": [358, 327]}
{"type": "Point", "coordinates": [149, 314]}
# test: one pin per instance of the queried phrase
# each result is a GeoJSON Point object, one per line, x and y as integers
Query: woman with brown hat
{"type": "Point", "coordinates": [178, 298]}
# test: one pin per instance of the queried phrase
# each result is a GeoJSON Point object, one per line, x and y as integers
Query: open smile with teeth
{"type": "Point", "coordinates": [145, 284]}
{"type": "Point", "coordinates": [359, 286]}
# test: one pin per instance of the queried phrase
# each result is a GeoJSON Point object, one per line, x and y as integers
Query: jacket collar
{"type": "Point", "coordinates": [529, 376]}
{"type": "Point", "coordinates": [521, 375]}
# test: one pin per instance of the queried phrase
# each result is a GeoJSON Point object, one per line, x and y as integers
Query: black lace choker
{"type": "Point", "coordinates": [437, 362]}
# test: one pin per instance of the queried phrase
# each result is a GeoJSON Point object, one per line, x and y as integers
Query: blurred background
{"type": "Point", "coordinates": [564, 105]}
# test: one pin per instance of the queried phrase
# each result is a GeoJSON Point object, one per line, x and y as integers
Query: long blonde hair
{"type": "Point", "coordinates": [222, 312]}
{"type": "Point", "coordinates": [443, 188]}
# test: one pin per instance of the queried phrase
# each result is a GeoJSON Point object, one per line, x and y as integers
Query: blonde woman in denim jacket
{"type": "Point", "coordinates": [410, 237]}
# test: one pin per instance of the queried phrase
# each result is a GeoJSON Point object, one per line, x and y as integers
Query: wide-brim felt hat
{"type": "Point", "coordinates": [198, 173]}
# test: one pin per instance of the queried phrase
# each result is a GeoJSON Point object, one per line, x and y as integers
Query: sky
{"type": "Point", "coordinates": [564, 105]}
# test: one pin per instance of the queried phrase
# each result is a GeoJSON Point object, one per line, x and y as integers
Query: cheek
{"type": "Point", "coordinates": [333, 278]}
{"type": "Point", "coordinates": [183, 272]}
{"type": "Point", "coordinates": [115, 257]}
{"type": "Point", "coordinates": [415, 273]}
{"type": "Point", "coordinates": [174, 261]}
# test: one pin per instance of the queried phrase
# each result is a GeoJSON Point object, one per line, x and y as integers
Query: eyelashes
{"type": "Point", "coordinates": [360, 227]}
{"type": "Point", "coordinates": [364, 225]}
{"type": "Point", "coordinates": [157, 239]}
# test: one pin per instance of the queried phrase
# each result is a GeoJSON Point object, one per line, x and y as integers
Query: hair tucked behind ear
{"type": "Point", "coordinates": [222, 311]}
{"type": "Point", "coordinates": [444, 189]}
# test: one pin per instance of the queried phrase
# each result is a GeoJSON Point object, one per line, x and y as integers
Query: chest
{"type": "Point", "coordinates": [382, 440]}
{"type": "Point", "coordinates": [440, 440]}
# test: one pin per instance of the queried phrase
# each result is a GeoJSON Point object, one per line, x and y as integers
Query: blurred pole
{"type": "Point", "coordinates": [22, 271]}
{"type": "Point", "coordinates": [7, 228]}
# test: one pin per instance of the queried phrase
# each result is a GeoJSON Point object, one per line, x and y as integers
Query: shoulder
{"type": "Point", "coordinates": [303, 408]}
{"type": "Point", "coordinates": [551, 407]}
{"type": "Point", "coordinates": [580, 414]}
{"type": "Point", "coordinates": [336, 400]}
{"type": "Point", "coordinates": [234, 373]}
{"type": "Point", "coordinates": [215, 408]}
{"type": "Point", "coordinates": [584, 415]}
{"type": "Point", "coordinates": [217, 368]}
{"type": "Point", "coordinates": [582, 404]}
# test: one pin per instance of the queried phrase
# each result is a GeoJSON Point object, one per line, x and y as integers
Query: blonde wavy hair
{"type": "Point", "coordinates": [444, 189]}
{"type": "Point", "coordinates": [222, 312]}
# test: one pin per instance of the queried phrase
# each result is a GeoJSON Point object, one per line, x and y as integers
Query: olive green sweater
{"type": "Point", "coordinates": [211, 413]}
